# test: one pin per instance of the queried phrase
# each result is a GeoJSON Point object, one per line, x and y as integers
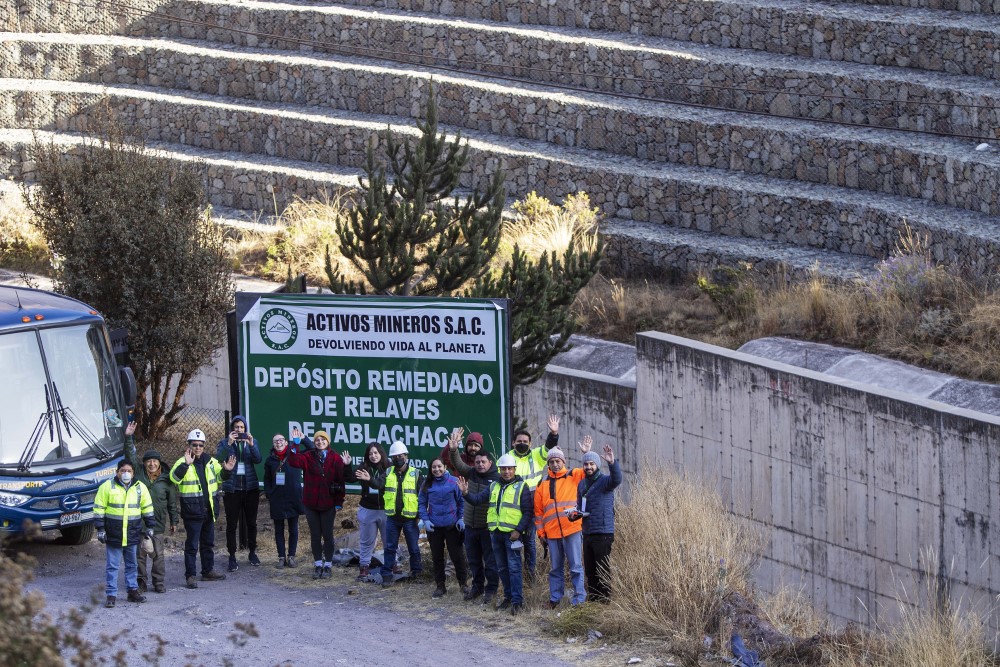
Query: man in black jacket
{"type": "Point", "coordinates": [478, 543]}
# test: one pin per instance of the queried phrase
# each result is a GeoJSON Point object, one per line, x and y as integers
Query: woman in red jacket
{"type": "Point", "coordinates": [322, 494]}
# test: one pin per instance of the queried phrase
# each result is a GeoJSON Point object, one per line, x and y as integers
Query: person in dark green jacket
{"type": "Point", "coordinates": [154, 475]}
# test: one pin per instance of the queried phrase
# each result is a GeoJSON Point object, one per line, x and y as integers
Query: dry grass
{"type": "Point", "coordinates": [678, 553]}
{"type": "Point", "coordinates": [22, 246]}
{"type": "Point", "coordinates": [541, 226]}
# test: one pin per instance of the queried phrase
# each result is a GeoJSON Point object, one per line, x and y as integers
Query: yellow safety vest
{"type": "Point", "coordinates": [189, 487]}
{"type": "Point", "coordinates": [409, 492]}
{"type": "Point", "coordinates": [530, 467]}
{"type": "Point", "coordinates": [505, 513]}
{"type": "Point", "coordinates": [114, 507]}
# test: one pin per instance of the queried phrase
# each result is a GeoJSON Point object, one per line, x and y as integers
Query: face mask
{"type": "Point", "coordinates": [522, 447]}
{"type": "Point", "coordinates": [399, 462]}
{"type": "Point", "coordinates": [126, 477]}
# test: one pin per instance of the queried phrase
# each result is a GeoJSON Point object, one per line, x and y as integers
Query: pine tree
{"type": "Point", "coordinates": [406, 238]}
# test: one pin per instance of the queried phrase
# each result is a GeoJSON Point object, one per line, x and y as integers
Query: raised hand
{"type": "Point", "coordinates": [586, 444]}
{"type": "Point", "coordinates": [230, 463]}
{"type": "Point", "coordinates": [455, 439]}
{"type": "Point", "coordinates": [363, 475]}
{"type": "Point", "coordinates": [463, 484]}
{"type": "Point", "coordinates": [345, 456]}
{"type": "Point", "coordinates": [130, 429]}
{"type": "Point", "coordinates": [297, 433]}
{"type": "Point", "coordinates": [188, 456]}
{"type": "Point", "coordinates": [553, 422]}
{"type": "Point", "coordinates": [608, 454]}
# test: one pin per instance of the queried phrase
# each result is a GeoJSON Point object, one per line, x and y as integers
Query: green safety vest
{"type": "Point", "coordinates": [115, 507]}
{"type": "Point", "coordinates": [505, 506]}
{"type": "Point", "coordinates": [409, 492]}
{"type": "Point", "coordinates": [189, 488]}
{"type": "Point", "coordinates": [530, 467]}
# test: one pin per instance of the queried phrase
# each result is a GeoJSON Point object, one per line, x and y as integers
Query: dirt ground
{"type": "Point", "coordinates": [301, 621]}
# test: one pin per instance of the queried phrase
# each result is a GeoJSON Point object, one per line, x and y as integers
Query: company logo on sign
{"type": "Point", "coordinates": [278, 329]}
{"type": "Point", "coordinates": [71, 503]}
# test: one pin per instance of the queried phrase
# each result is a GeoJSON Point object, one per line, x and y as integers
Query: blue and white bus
{"type": "Point", "coordinates": [64, 406]}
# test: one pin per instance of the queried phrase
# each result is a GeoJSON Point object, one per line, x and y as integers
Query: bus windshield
{"type": "Point", "coordinates": [74, 412]}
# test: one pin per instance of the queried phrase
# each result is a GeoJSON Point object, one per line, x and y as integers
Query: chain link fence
{"type": "Point", "coordinates": [171, 445]}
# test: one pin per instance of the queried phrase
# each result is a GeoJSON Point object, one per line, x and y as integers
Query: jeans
{"type": "Point", "coordinates": [372, 524]}
{"type": "Point", "coordinates": [482, 564]}
{"type": "Point", "coordinates": [114, 561]}
{"type": "Point", "coordinates": [241, 508]}
{"type": "Point", "coordinates": [597, 565]}
{"type": "Point", "coordinates": [159, 569]}
{"type": "Point", "coordinates": [394, 524]}
{"type": "Point", "coordinates": [200, 538]}
{"type": "Point", "coordinates": [530, 551]}
{"type": "Point", "coordinates": [293, 535]}
{"type": "Point", "coordinates": [509, 566]}
{"type": "Point", "coordinates": [451, 536]}
{"type": "Point", "coordinates": [570, 547]}
{"type": "Point", "coordinates": [321, 533]}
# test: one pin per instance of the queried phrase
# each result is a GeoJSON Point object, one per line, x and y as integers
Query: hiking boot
{"type": "Point", "coordinates": [471, 593]}
{"type": "Point", "coordinates": [488, 597]}
{"type": "Point", "coordinates": [212, 576]}
{"type": "Point", "coordinates": [290, 561]}
{"type": "Point", "coordinates": [318, 574]}
{"type": "Point", "coordinates": [504, 604]}
{"type": "Point", "coordinates": [254, 560]}
{"type": "Point", "coordinates": [110, 602]}
{"type": "Point", "coordinates": [135, 596]}
{"type": "Point", "coordinates": [439, 591]}
{"type": "Point", "coordinates": [233, 565]}
{"type": "Point", "coordinates": [159, 588]}
{"type": "Point", "coordinates": [516, 609]}
{"type": "Point", "coordinates": [327, 571]}
{"type": "Point", "coordinates": [387, 582]}
{"type": "Point", "coordinates": [142, 587]}
{"type": "Point", "coordinates": [364, 571]}
{"type": "Point", "coordinates": [192, 582]}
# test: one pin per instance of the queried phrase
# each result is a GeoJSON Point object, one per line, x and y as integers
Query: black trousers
{"type": "Point", "coordinates": [597, 565]}
{"type": "Point", "coordinates": [199, 538]}
{"type": "Point", "coordinates": [293, 536]}
{"type": "Point", "coordinates": [241, 508]}
{"type": "Point", "coordinates": [453, 538]}
{"type": "Point", "coordinates": [321, 532]}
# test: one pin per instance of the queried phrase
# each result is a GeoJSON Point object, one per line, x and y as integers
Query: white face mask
{"type": "Point", "coordinates": [126, 477]}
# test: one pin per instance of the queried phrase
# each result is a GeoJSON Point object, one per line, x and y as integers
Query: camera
{"type": "Point", "coordinates": [242, 436]}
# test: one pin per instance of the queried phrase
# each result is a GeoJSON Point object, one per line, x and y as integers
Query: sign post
{"type": "Point", "coordinates": [375, 369]}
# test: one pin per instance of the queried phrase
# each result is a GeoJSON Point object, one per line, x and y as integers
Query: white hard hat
{"type": "Point", "coordinates": [398, 448]}
{"type": "Point", "coordinates": [507, 461]}
{"type": "Point", "coordinates": [196, 434]}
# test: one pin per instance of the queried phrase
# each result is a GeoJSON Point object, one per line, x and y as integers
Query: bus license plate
{"type": "Point", "coordinates": [71, 518]}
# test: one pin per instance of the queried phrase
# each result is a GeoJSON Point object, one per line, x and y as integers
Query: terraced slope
{"type": "Point", "coordinates": [280, 100]}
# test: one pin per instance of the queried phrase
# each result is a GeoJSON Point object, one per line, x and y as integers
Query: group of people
{"type": "Point", "coordinates": [489, 516]}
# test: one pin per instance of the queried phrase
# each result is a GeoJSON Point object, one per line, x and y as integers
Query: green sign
{"type": "Point", "coordinates": [375, 369]}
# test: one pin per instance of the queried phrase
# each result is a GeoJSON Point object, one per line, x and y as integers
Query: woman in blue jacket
{"type": "Point", "coordinates": [283, 488]}
{"type": "Point", "coordinates": [441, 509]}
{"type": "Point", "coordinates": [242, 489]}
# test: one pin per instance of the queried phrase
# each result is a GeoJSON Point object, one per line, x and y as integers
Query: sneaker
{"type": "Point", "coordinates": [439, 592]}
{"type": "Point", "coordinates": [516, 609]}
{"type": "Point", "coordinates": [364, 571]}
{"type": "Point", "coordinates": [159, 588]}
{"type": "Point", "coordinates": [254, 560]}
{"type": "Point", "coordinates": [110, 602]}
{"type": "Point", "coordinates": [233, 565]}
{"type": "Point", "coordinates": [135, 596]}
{"type": "Point", "coordinates": [504, 604]}
{"type": "Point", "coordinates": [488, 597]}
{"type": "Point", "coordinates": [192, 582]}
{"type": "Point", "coordinates": [318, 574]}
{"type": "Point", "coordinates": [327, 571]}
{"type": "Point", "coordinates": [290, 561]}
{"type": "Point", "coordinates": [471, 593]}
{"type": "Point", "coordinates": [212, 576]}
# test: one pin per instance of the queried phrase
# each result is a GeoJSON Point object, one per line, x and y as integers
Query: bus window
{"type": "Point", "coordinates": [22, 397]}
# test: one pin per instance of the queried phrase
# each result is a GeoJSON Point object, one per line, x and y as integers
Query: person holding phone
{"type": "Point", "coordinates": [242, 490]}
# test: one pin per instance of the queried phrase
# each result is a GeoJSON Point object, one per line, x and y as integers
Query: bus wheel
{"type": "Point", "coordinates": [80, 534]}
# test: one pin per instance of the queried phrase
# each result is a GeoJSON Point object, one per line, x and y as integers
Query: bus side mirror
{"type": "Point", "coordinates": [127, 380]}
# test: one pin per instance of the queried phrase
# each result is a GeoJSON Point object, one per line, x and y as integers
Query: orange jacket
{"type": "Point", "coordinates": [550, 513]}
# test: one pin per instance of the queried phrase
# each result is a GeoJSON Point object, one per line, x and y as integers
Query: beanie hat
{"type": "Point", "coordinates": [593, 458]}
{"type": "Point", "coordinates": [475, 436]}
{"type": "Point", "coordinates": [152, 454]}
{"type": "Point", "coordinates": [556, 453]}
{"type": "Point", "coordinates": [323, 434]}
{"type": "Point", "coordinates": [123, 463]}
